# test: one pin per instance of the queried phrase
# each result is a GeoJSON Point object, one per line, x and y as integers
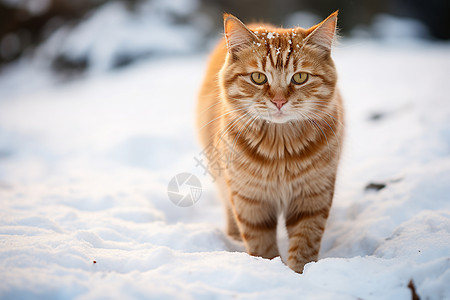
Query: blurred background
{"type": "Point", "coordinates": [91, 36]}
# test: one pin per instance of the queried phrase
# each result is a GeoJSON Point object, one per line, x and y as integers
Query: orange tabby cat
{"type": "Point", "coordinates": [269, 104]}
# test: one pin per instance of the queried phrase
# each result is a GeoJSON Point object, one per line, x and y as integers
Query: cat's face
{"type": "Point", "coordinates": [279, 75]}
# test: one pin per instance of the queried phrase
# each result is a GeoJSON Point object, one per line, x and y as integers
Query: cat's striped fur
{"type": "Point", "coordinates": [280, 159]}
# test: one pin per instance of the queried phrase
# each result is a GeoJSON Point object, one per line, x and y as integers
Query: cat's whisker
{"type": "Point", "coordinates": [229, 127]}
{"type": "Point", "coordinates": [230, 124]}
{"type": "Point", "coordinates": [233, 124]}
{"type": "Point", "coordinates": [316, 126]}
{"type": "Point", "coordinates": [306, 118]}
{"type": "Point", "coordinates": [323, 102]}
{"type": "Point", "coordinates": [321, 111]}
{"type": "Point", "coordinates": [246, 102]}
{"type": "Point", "coordinates": [255, 118]}
{"type": "Point", "coordinates": [233, 121]}
{"type": "Point", "coordinates": [327, 105]}
{"type": "Point", "coordinates": [209, 107]}
{"type": "Point", "coordinates": [326, 102]}
{"type": "Point", "coordinates": [222, 115]}
{"type": "Point", "coordinates": [236, 138]}
{"type": "Point", "coordinates": [230, 154]}
{"type": "Point", "coordinates": [322, 119]}
{"type": "Point", "coordinates": [326, 123]}
{"type": "Point", "coordinates": [314, 101]}
{"type": "Point", "coordinates": [328, 144]}
{"type": "Point", "coordinates": [248, 125]}
{"type": "Point", "coordinates": [239, 99]}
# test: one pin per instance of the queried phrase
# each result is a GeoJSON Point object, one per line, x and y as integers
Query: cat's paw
{"type": "Point", "coordinates": [296, 266]}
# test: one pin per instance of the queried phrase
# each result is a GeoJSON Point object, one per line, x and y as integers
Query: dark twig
{"type": "Point", "coordinates": [413, 290]}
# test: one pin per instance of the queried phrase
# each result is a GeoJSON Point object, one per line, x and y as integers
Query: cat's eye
{"type": "Point", "coordinates": [299, 78]}
{"type": "Point", "coordinates": [258, 78]}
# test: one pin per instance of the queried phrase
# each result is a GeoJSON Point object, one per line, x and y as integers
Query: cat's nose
{"type": "Point", "coordinates": [279, 102]}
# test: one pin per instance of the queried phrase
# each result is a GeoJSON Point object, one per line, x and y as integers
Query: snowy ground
{"type": "Point", "coordinates": [84, 169]}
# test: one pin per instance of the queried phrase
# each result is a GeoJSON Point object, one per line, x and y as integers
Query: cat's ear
{"type": "Point", "coordinates": [237, 35]}
{"type": "Point", "coordinates": [324, 33]}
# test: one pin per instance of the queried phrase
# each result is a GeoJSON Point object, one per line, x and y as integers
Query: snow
{"type": "Point", "coordinates": [115, 34]}
{"type": "Point", "coordinates": [84, 169]}
{"type": "Point", "coordinates": [393, 29]}
{"type": "Point", "coordinates": [35, 7]}
{"type": "Point", "coordinates": [303, 19]}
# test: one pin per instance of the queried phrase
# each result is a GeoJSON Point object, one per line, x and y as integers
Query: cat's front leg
{"type": "Point", "coordinates": [232, 227]}
{"type": "Point", "coordinates": [257, 221]}
{"type": "Point", "coordinates": [305, 227]}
